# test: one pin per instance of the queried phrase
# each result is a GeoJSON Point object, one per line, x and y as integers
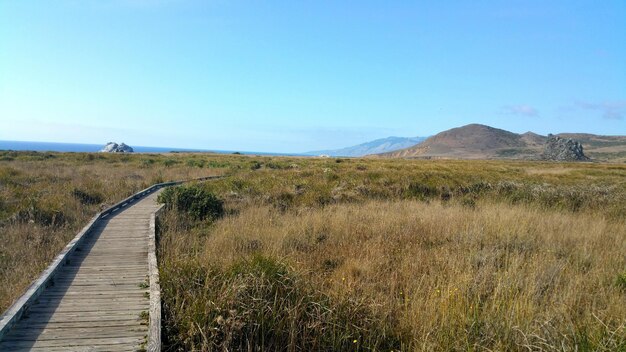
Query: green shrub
{"type": "Point", "coordinates": [216, 164]}
{"type": "Point", "coordinates": [195, 163]}
{"type": "Point", "coordinates": [170, 162]}
{"type": "Point", "coordinates": [147, 162]}
{"type": "Point", "coordinates": [276, 165]}
{"type": "Point", "coordinates": [196, 201]}
{"type": "Point", "coordinates": [420, 191]}
{"type": "Point", "coordinates": [283, 200]}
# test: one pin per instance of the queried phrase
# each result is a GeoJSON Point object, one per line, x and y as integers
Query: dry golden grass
{"type": "Point", "coordinates": [441, 277]}
{"type": "Point", "coordinates": [553, 171]}
{"type": "Point", "coordinates": [352, 254]}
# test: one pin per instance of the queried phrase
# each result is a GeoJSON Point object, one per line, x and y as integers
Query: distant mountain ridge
{"type": "Point", "coordinates": [377, 146]}
{"type": "Point", "coordinates": [477, 141]}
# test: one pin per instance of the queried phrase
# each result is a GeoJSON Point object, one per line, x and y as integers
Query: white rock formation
{"type": "Point", "coordinates": [112, 147]}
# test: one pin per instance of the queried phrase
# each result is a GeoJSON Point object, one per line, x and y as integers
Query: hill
{"type": "Point", "coordinates": [472, 141]}
{"type": "Point", "coordinates": [378, 146]}
{"type": "Point", "coordinates": [477, 141]}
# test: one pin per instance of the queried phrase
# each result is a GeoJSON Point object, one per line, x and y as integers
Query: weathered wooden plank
{"type": "Point", "coordinates": [107, 259]}
{"type": "Point", "coordinates": [103, 262]}
{"type": "Point", "coordinates": [120, 231]}
{"type": "Point", "coordinates": [132, 246]}
{"type": "Point", "coordinates": [134, 241]}
{"type": "Point", "coordinates": [101, 278]}
{"type": "Point", "coordinates": [84, 316]}
{"type": "Point", "coordinates": [107, 348]}
{"type": "Point", "coordinates": [34, 334]}
{"type": "Point", "coordinates": [95, 303]}
{"type": "Point", "coordinates": [111, 258]}
{"type": "Point", "coordinates": [128, 222]}
{"type": "Point", "coordinates": [60, 301]}
{"type": "Point", "coordinates": [106, 275]}
{"type": "Point", "coordinates": [101, 274]}
{"type": "Point", "coordinates": [103, 283]}
{"type": "Point", "coordinates": [109, 299]}
{"type": "Point", "coordinates": [84, 324]}
{"type": "Point", "coordinates": [76, 342]}
{"type": "Point", "coordinates": [95, 261]}
{"type": "Point", "coordinates": [102, 309]}
{"type": "Point", "coordinates": [136, 246]}
{"type": "Point", "coordinates": [80, 296]}
{"type": "Point", "coordinates": [122, 289]}
{"type": "Point", "coordinates": [121, 266]}
{"type": "Point", "coordinates": [118, 236]}
{"type": "Point", "coordinates": [86, 273]}
{"type": "Point", "coordinates": [43, 334]}
{"type": "Point", "coordinates": [98, 277]}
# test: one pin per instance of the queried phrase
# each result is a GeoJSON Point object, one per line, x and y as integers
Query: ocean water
{"type": "Point", "coordinates": [92, 148]}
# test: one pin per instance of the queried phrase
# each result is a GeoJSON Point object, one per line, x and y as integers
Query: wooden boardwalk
{"type": "Point", "coordinates": [99, 300]}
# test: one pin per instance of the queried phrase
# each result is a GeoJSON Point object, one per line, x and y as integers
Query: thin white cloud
{"type": "Point", "coordinates": [520, 110]}
{"type": "Point", "coordinates": [612, 110]}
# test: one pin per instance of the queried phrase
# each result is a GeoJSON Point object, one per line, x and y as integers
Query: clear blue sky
{"type": "Point", "coordinates": [294, 76]}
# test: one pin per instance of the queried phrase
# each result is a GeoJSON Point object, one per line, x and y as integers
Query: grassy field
{"type": "Point", "coordinates": [350, 254]}
{"type": "Point", "coordinates": [46, 198]}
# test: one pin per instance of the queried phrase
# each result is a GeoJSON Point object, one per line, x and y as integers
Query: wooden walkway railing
{"type": "Point", "coordinates": [101, 292]}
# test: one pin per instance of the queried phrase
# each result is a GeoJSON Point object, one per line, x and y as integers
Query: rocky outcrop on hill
{"type": "Point", "coordinates": [563, 149]}
{"type": "Point", "coordinates": [112, 147]}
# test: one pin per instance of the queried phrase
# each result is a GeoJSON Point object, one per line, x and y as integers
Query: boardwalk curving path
{"type": "Point", "coordinates": [100, 298]}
